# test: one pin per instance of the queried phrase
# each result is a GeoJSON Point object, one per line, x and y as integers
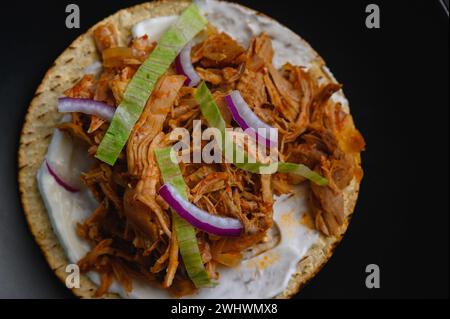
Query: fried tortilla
{"type": "Point", "coordinates": [317, 131]}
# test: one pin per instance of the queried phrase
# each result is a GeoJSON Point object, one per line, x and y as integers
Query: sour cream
{"type": "Point", "coordinates": [263, 276]}
{"type": "Point", "coordinates": [153, 28]}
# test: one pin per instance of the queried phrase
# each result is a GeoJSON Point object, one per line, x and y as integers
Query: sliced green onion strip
{"type": "Point", "coordinates": [212, 114]}
{"type": "Point", "coordinates": [143, 82]}
{"type": "Point", "coordinates": [186, 237]}
{"type": "Point", "coordinates": [302, 170]}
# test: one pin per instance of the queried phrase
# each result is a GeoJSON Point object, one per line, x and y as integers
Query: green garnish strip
{"type": "Point", "coordinates": [186, 236]}
{"type": "Point", "coordinates": [143, 82]}
{"type": "Point", "coordinates": [211, 112]}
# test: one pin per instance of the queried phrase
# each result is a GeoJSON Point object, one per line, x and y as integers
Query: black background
{"type": "Point", "coordinates": [397, 81]}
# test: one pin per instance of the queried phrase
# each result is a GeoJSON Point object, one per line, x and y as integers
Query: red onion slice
{"type": "Point", "coordinates": [220, 226]}
{"type": "Point", "coordinates": [249, 121]}
{"type": "Point", "coordinates": [184, 66]}
{"type": "Point", "coordinates": [59, 180]}
{"type": "Point", "coordinates": [86, 106]}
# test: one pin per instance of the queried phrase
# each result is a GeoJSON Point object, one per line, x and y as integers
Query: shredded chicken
{"type": "Point", "coordinates": [105, 37]}
{"type": "Point", "coordinates": [218, 50]}
{"type": "Point", "coordinates": [131, 231]}
{"type": "Point", "coordinates": [151, 121]}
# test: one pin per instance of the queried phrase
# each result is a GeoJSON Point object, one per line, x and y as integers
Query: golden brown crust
{"type": "Point", "coordinates": [42, 117]}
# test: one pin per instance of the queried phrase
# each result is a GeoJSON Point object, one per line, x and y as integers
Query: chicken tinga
{"type": "Point", "coordinates": [177, 224]}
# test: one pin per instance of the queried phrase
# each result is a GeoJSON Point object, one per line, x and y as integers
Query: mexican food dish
{"type": "Point", "coordinates": [125, 167]}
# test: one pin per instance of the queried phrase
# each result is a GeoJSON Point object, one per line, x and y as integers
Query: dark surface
{"type": "Point", "coordinates": [397, 81]}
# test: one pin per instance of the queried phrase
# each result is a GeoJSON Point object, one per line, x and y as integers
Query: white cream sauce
{"type": "Point", "coordinates": [263, 276]}
{"type": "Point", "coordinates": [94, 68]}
{"type": "Point", "coordinates": [65, 209]}
{"type": "Point", "coordinates": [154, 28]}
